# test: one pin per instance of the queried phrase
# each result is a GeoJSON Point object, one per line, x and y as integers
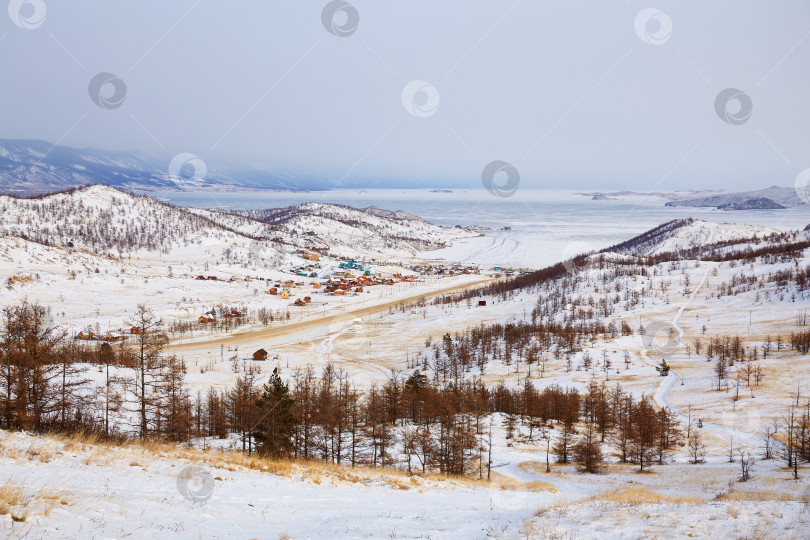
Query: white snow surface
{"type": "Point", "coordinates": [132, 493]}
{"type": "Point", "coordinates": [705, 232]}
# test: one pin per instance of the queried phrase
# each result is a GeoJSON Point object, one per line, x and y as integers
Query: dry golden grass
{"type": "Point", "coordinates": [618, 468]}
{"type": "Point", "coordinates": [100, 456]}
{"type": "Point", "coordinates": [556, 506]}
{"type": "Point", "coordinates": [12, 495]}
{"type": "Point", "coordinates": [44, 455]}
{"type": "Point", "coordinates": [541, 486]}
{"type": "Point", "coordinates": [104, 452]}
{"type": "Point", "coordinates": [18, 278]}
{"type": "Point", "coordinates": [500, 481]}
{"type": "Point", "coordinates": [534, 467]}
{"type": "Point", "coordinates": [759, 496]}
{"type": "Point", "coordinates": [53, 498]}
{"type": "Point", "coordinates": [20, 502]}
{"type": "Point", "coordinates": [637, 495]}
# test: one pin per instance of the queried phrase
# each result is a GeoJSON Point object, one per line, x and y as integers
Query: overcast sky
{"type": "Point", "coordinates": [586, 94]}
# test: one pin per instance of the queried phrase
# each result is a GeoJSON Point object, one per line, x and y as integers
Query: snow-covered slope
{"type": "Point", "coordinates": [107, 221]}
{"type": "Point", "coordinates": [344, 230]}
{"type": "Point", "coordinates": [683, 234]}
{"type": "Point", "coordinates": [392, 214]}
{"type": "Point", "coordinates": [702, 233]}
{"type": "Point", "coordinates": [783, 196]}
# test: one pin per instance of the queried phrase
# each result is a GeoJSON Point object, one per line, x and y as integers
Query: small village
{"type": "Point", "coordinates": [310, 284]}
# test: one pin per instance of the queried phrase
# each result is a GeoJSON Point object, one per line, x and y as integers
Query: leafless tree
{"type": "Point", "coordinates": [746, 465]}
{"type": "Point", "coordinates": [149, 343]}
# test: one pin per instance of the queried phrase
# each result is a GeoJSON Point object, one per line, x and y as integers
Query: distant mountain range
{"type": "Point", "coordinates": [774, 197]}
{"type": "Point", "coordinates": [32, 166]}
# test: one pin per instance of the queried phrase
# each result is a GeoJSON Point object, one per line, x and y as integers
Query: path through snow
{"type": "Point", "coordinates": [737, 435]}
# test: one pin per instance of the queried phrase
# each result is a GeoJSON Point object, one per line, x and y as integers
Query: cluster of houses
{"type": "Point", "coordinates": [307, 271]}
{"type": "Point", "coordinates": [353, 278]}
{"type": "Point", "coordinates": [109, 337]}
{"type": "Point", "coordinates": [511, 271]}
{"type": "Point", "coordinates": [308, 254]}
{"type": "Point", "coordinates": [215, 278]}
{"type": "Point", "coordinates": [353, 265]}
{"type": "Point", "coordinates": [283, 288]}
{"type": "Point", "coordinates": [211, 316]}
{"type": "Point", "coordinates": [340, 283]}
{"type": "Point", "coordinates": [439, 269]}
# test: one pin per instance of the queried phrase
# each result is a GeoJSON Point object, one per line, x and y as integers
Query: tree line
{"type": "Point", "coordinates": [424, 424]}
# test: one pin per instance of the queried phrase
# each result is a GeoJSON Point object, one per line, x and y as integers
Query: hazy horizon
{"type": "Point", "coordinates": [599, 98]}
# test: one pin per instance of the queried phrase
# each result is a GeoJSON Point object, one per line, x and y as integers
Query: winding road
{"type": "Point", "coordinates": [740, 437]}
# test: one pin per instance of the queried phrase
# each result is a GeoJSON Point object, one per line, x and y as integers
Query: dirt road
{"type": "Point", "coordinates": [333, 318]}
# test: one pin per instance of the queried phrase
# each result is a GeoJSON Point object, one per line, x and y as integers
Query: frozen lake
{"type": "Point", "coordinates": [546, 226]}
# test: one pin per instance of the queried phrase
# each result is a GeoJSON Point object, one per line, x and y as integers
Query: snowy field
{"type": "Point", "coordinates": [77, 489]}
{"type": "Point", "coordinates": [56, 488]}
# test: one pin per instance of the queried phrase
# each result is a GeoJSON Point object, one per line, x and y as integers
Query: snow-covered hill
{"type": "Point", "coordinates": [704, 233]}
{"type": "Point", "coordinates": [104, 220]}
{"type": "Point", "coordinates": [683, 234]}
{"type": "Point", "coordinates": [343, 229]}
{"type": "Point", "coordinates": [781, 196]}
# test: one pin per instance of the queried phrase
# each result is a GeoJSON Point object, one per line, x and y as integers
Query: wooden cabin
{"type": "Point", "coordinates": [482, 303]}
{"type": "Point", "coordinates": [298, 302]}
{"type": "Point", "coordinates": [260, 355]}
{"type": "Point", "coordinates": [273, 290]}
{"type": "Point", "coordinates": [285, 294]}
{"type": "Point", "coordinates": [307, 299]}
{"type": "Point", "coordinates": [135, 331]}
{"type": "Point", "coordinates": [205, 320]}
